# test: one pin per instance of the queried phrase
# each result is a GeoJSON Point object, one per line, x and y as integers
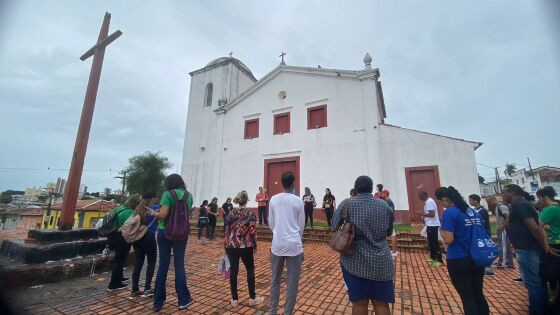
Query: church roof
{"type": "Point", "coordinates": [351, 74]}
{"type": "Point", "coordinates": [223, 61]}
{"type": "Point", "coordinates": [477, 144]}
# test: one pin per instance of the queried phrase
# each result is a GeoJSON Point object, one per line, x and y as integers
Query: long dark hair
{"type": "Point", "coordinates": [518, 191]}
{"type": "Point", "coordinates": [452, 194]}
{"type": "Point", "coordinates": [174, 181]}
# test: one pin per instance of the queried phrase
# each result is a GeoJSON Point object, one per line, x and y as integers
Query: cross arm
{"type": "Point", "coordinates": [106, 41]}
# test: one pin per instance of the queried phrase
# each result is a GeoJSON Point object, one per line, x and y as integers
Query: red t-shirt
{"type": "Point", "coordinates": [261, 196]}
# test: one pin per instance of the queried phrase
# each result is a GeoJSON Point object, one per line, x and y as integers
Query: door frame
{"type": "Point", "coordinates": [411, 196]}
{"type": "Point", "coordinates": [284, 159]}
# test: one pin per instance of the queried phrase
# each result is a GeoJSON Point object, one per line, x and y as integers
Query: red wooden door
{"type": "Point", "coordinates": [273, 171]}
{"type": "Point", "coordinates": [424, 178]}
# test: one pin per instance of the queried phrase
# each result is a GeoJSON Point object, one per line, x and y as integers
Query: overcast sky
{"type": "Point", "coordinates": [486, 71]}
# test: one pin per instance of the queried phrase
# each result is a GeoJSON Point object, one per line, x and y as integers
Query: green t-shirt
{"type": "Point", "coordinates": [124, 214]}
{"type": "Point", "coordinates": [551, 215]}
{"type": "Point", "coordinates": [167, 200]}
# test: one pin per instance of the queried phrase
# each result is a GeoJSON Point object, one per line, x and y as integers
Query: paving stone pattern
{"type": "Point", "coordinates": [419, 288]}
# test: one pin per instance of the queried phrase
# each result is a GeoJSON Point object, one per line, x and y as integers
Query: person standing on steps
{"type": "Point", "coordinates": [241, 243]}
{"type": "Point", "coordinates": [172, 182]}
{"type": "Point", "coordinates": [329, 204]}
{"type": "Point", "coordinates": [226, 208]}
{"type": "Point", "coordinates": [287, 222]}
{"type": "Point", "coordinates": [203, 221]}
{"type": "Point", "coordinates": [262, 200]}
{"type": "Point", "coordinates": [212, 218]}
{"type": "Point", "coordinates": [431, 219]}
{"type": "Point", "coordinates": [309, 205]}
{"type": "Point", "coordinates": [505, 260]}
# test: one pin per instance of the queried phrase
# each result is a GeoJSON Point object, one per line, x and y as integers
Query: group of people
{"type": "Point", "coordinates": [369, 272]}
{"type": "Point", "coordinates": [532, 228]}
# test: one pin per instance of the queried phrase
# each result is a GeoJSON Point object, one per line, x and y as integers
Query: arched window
{"type": "Point", "coordinates": [208, 97]}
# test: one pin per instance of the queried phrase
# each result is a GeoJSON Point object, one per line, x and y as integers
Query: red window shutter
{"type": "Point", "coordinates": [282, 123]}
{"type": "Point", "coordinates": [317, 117]}
{"type": "Point", "coordinates": [252, 129]}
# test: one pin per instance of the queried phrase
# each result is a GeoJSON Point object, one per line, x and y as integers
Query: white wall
{"type": "Point", "coordinates": [329, 157]}
{"type": "Point", "coordinates": [403, 148]}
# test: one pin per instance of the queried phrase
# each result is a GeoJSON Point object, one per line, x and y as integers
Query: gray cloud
{"type": "Point", "coordinates": [481, 71]}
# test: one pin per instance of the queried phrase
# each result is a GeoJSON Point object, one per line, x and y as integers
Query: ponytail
{"type": "Point", "coordinates": [518, 191]}
{"type": "Point", "coordinates": [452, 194]}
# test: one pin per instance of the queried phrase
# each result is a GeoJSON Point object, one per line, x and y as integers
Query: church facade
{"type": "Point", "coordinates": [325, 125]}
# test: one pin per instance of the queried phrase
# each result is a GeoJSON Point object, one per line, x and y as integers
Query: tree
{"type": "Point", "coordinates": [42, 198]}
{"type": "Point", "coordinates": [5, 198]}
{"type": "Point", "coordinates": [86, 197]}
{"type": "Point", "coordinates": [510, 169]}
{"type": "Point", "coordinates": [146, 173]}
{"type": "Point", "coordinates": [481, 179]}
{"type": "Point", "coordinates": [115, 198]}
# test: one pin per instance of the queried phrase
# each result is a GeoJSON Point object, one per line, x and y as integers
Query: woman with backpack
{"type": "Point", "coordinates": [202, 219]}
{"type": "Point", "coordinates": [308, 205]}
{"type": "Point", "coordinates": [146, 247]}
{"type": "Point", "coordinates": [241, 243]}
{"type": "Point", "coordinates": [119, 245]}
{"type": "Point", "coordinates": [329, 204]}
{"type": "Point", "coordinates": [456, 229]}
{"type": "Point", "coordinates": [176, 192]}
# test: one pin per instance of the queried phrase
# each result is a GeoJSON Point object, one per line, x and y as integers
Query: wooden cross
{"type": "Point", "coordinates": [80, 147]}
{"type": "Point", "coordinates": [230, 54]}
{"type": "Point", "coordinates": [282, 56]}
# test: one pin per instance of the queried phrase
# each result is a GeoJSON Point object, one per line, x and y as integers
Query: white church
{"type": "Point", "coordinates": [327, 126]}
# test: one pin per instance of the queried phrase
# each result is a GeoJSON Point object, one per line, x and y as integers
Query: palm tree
{"type": "Point", "coordinates": [510, 169]}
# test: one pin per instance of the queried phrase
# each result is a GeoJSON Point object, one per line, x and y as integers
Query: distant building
{"type": "Point", "coordinates": [539, 178]}
{"type": "Point", "coordinates": [107, 191]}
{"type": "Point", "coordinates": [31, 195]}
{"type": "Point", "coordinates": [50, 187]}
{"type": "Point", "coordinates": [60, 185]}
{"type": "Point", "coordinates": [87, 213]}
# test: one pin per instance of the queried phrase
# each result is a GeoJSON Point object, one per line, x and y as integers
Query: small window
{"type": "Point", "coordinates": [208, 94]}
{"type": "Point", "coordinates": [252, 129]}
{"type": "Point", "coordinates": [282, 123]}
{"type": "Point", "coordinates": [51, 221]}
{"type": "Point", "coordinates": [317, 117]}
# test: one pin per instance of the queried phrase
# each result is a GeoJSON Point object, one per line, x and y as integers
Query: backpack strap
{"type": "Point", "coordinates": [346, 209]}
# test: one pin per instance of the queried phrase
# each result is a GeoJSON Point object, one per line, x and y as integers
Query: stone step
{"type": "Point", "coordinates": [34, 253]}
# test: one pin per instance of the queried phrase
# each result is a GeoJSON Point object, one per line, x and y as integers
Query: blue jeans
{"type": "Point", "coordinates": [165, 246]}
{"type": "Point", "coordinates": [529, 267]}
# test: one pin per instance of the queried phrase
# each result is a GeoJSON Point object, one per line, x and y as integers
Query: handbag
{"type": "Point", "coordinates": [343, 239]}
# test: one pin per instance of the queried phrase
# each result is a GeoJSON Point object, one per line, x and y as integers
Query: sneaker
{"type": "Point", "coordinates": [552, 297]}
{"type": "Point", "coordinates": [117, 287]}
{"type": "Point", "coordinates": [500, 266]}
{"type": "Point", "coordinates": [489, 273]}
{"type": "Point", "coordinates": [518, 280]}
{"type": "Point", "coordinates": [156, 308]}
{"type": "Point", "coordinates": [134, 294]}
{"type": "Point", "coordinates": [511, 266]}
{"type": "Point", "coordinates": [256, 301]}
{"type": "Point", "coordinates": [148, 293]}
{"type": "Point", "coordinates": [234, 303]}
{"type": "Point", "coordinates": [429, 260]}
{"type": "Point", "coordinates": [182, 307]}
{"type": "Point", "coordinates": [394, 254]}
{"type": "Point", "coordinates": [436, 264]}
{"type": "Point", "coordinates": [125, 280]}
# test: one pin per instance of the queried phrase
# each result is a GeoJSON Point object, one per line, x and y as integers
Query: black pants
{"type": "Point", "coordinates": [246, 255]}
{"type": "Point", "coordinates": [145, 247]}
{"type": "Point", "coordinates": [433, 242]}
{"type": "Point", "coordinates": [467, 279]}
{"type": "Point", "coordinates": [329, 213]}
{"type": "Point", "coordinates": [202, 224]}
{"type": "Point", "coordinates": [262, 215]}
{"type": "Point", "coordinates": [121, 248]}
{"type": "Point", "coordinates": [308, 214]}
{"type": "Point", "coordinates": [224, 228]}
{"type": "Point", "coordinates": [211, 227]}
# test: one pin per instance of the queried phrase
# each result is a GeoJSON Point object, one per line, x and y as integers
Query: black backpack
{"type": "Point", "coordinates": [110, 223]}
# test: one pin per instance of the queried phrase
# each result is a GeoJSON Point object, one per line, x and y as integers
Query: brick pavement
{"type": "Point", "coordinates": [419, 288]}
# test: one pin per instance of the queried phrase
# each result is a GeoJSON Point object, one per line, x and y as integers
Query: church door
{"type": "Point", "coordinates": [420, 178]}
{"type": "Point", "coordinates": [273, 170]}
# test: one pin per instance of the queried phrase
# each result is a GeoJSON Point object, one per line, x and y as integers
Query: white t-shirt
{"type": "Point", "coordinates": [430, 205]}
{"type": "Point", "coordinates": [286, 219]}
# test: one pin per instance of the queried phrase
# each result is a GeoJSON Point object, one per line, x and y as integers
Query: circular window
{"type": "Point", "coordinates": [282, 95]}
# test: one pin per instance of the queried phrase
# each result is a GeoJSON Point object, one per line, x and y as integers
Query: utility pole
{"type": "Point", "coordinates": [123, 178]}
{"type": "Point", "coordinates": [498, 182]}
{"type": "Point", "coordinates": [46, 223]}
{"type": "Point", "coordinates": [531, 169]}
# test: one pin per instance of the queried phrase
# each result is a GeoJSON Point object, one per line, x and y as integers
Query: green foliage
{"type": "Point", "coordinates": [15, 192]}
{"type": "Point", "coordinates": [86, 197]}
{"type": "Point", "coordinates": [115, 198]}
{"type": "Point", "coordinates": [510, 169]}
{"type": "Point", "coordinates": [5, 198]}
{"type": "Point", "coordinates": [146, 172]}
{"type": "Point", "coordinates": [481, 179]}
{"type": "Point", "coordinates": [43, 198]}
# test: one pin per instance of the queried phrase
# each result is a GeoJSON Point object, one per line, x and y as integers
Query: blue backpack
{"type": "Point", "coordinates": [482, 249]}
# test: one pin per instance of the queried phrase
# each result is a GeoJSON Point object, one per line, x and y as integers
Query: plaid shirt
{"type": "Point", "coordinates": [373, 222]}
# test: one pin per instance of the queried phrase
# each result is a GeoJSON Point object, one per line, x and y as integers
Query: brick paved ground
{"type": "Point", "coordinates": [419, 288]}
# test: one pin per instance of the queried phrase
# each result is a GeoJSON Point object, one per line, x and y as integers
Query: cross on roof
{"type": "Point", "coordinates": [282, 56]}
{"type": "Point", "coordinates": [230, 54]}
